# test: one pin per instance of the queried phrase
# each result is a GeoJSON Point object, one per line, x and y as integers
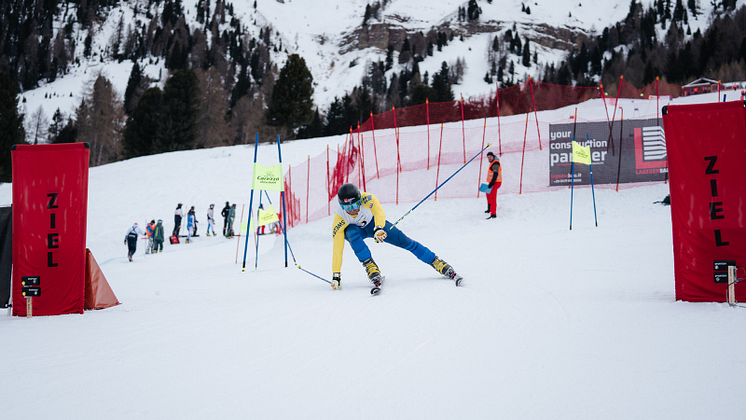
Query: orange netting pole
{"type": "Point", "coordinates": [346, 160]}
{"type": "Point", "coordinates": [479, 175]}
{"type": "Point", "coordinates": [361, 166]}
{"type": "Point", "coordinates": [523, 155]}
{"type": "Point", "coordinates": [657, 103]}
{"type": "Point", "coordinates": [328, 184]}
{"type": "Point", "coordinates": [603, 97]}
{"type": "Point", "coordinates": [621, 141]}
{"type": "Point", "coordinates": [718, 90]}
{"type": "Point", "coordinates": [536, 116]}
{"type": "Point", "coordinates": [427, 113]}
{"type": "Point", "coordinates": [497, 103]}
{"type": "Point", "coordinates": [463, 132]}
{"type": "Point", "coordinates": [398, 161]}
{"type": "Point", "coordinates": [437, 174]}
{"type": "Point", "coordinates": [375, 152]}
{"type": "Point", "coordinates": [613, 116]}
{"type": "Point", "coordinates": [308, 188]}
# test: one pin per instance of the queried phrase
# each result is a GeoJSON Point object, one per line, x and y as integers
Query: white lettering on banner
{"type": "Point", "coordinates": [556, 158]}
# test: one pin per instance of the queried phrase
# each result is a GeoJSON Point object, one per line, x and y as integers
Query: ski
{"type": "Point", "coordinates": [375, 290]}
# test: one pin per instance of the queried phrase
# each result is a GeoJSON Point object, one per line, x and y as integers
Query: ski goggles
{"type": "Point", "coordinates": [350, 206]}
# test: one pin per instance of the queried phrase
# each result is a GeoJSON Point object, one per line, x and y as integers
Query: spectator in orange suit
{"type": "Point", "coordinates": [494, 181]}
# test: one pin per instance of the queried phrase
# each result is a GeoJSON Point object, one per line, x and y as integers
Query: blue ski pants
{"type": "Point", "coordinates": [355, 235]}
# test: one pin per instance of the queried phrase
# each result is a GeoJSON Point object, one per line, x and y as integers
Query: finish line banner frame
{"type": "Point", "coordinates": [707, 151]}
{"type": "Point", "coordinates": [50, 212]}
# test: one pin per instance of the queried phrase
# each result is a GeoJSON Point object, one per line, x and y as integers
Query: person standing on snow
{"type": "Point", "coordinates": [494, 181]}
{"type": "Point", "coordinates": [359, 216]}
{"type": "Point", "coordinates": [211, 220]}
{"type": "Point", "coordinates": [225, 213]}
{"type": "Point", "coordinates": [231, 217]}
{"type": "Point", "coordinates": [150, 228]}
{"type": "Point", "coordinates": [130, 239]}
{"type": "Point", "coordinates": [178, 215]}
{"type": "Point", "coordinates": [191, 221]}
{"type": "Point", "coordinates": [158, 237]}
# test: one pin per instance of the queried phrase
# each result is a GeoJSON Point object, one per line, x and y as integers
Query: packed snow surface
{"type": "Point", "coordinates": [549, 323]}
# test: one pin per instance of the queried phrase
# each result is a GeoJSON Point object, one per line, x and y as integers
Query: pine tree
{"type": "Point", "coordinates": [291, 105]}
{"type": "Point", "coordinates": [143, 125]}
{"type": "Point", "coordinates": [133, 84]}
{"type": "Point", "coordinates": [213, 127]}
{"type": "Point", "coordinates": [11, 125]}
{"type": "Point", "coordinates": [180, 112]}
{"type": "Point", "coordinates": [527, 54]}
{"type": "Point", "coordinates": [100, 119]}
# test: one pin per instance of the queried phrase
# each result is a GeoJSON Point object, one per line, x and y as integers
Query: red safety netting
{"type": "Point", "coordinates": [404, 154]}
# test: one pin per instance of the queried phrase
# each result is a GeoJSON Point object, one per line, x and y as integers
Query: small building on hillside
{"type": "Point", "coordinates": [701, 85]}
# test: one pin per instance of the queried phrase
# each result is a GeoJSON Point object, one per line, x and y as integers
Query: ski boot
{"type": "Point", "coordinates": [374, 273]}
{"type": "Point", "coordinates": [445, 269]}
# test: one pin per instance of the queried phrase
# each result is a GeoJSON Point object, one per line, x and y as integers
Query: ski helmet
{"type": "Point", "coordinates": [348, 194]}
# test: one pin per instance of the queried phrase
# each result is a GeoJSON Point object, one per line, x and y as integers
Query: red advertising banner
{"type": "Point", "coordinates": [50, 204]}
{"type": "Point", "coordinates": [706, 147]}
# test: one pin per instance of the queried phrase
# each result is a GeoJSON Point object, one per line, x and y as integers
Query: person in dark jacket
{"type": "Point", "coordinates": [178, 215]}
{"type": "Point", "coordinates": [158, 237]}
{"type": "Point", "coordinates": [231, 217]}
{"type": "Point", "coordinates": [130, 239]}
{"type": "Point", "coordinates": [225, 213]}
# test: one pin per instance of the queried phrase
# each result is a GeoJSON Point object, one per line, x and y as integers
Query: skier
{"type": "Point", "coordinates": [191, 222]}
{"type": "Point", "coordinates": [150, 228]}
{"type": "Point", "coordinates": [231, 216]}
{"type": "Point", "coordinates": [178, 215]}
{"type": "Point", "coordinates": [494, 181]}
{"type": "Point", "coordinates": [158, 237]}
{"type": "Point", "coordinates": [211, 220]}
{"type": "Point", "coordinates": [225, 213]}
{"type": "Point", "coordinates": [360, 216]}
{"type": "Point", "coordinates": [130, 239]}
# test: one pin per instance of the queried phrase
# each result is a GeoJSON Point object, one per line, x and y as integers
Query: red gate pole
{"type": "Point", "coordinates": [657, 103]}
{"type": "Point", "coordinates": [328, 192]}
{"type": "Point", "coordinates": [398, 161]}
{"type": "Point", "coordinates": [308, 186]}
{"type": "Point", "coordinates": [463, 133]}
{"type": "Point", "coordinates": [239, 231]}
{"type": "Point", "coordinates": [290, 188]}
{"type": "Point", "coordinates": [718, 90]}
{"type": "Point", "coordinates": [361, 166]}
{"type": "Point", "coordinates": [613, 116]}
{"type": "Point", "coordinates": [427, 113]}
{"type": "Point", "coordinates": [479, 175]}
{"type": "Point", "coordinates": [346, 160]}
{"type": "Point", "coordinates": [437, 174]}
{"type": "Point", "coordinates": [536, 116]}
{"type": "Point", "coordinates": [497, 102]}
{"type": "Point", "coordinates": [603, 97]}
{"type": "Point", "coordinates": [523, 155]}
{"type": "Point", "coordinates": [375, 152]}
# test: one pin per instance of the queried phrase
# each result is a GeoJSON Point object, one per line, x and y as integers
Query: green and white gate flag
{"type": "Point", "coordinates": [267, 178]}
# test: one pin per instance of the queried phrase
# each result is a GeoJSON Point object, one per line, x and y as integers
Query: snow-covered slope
{"type": "Point", "coordinates": [550, 323]}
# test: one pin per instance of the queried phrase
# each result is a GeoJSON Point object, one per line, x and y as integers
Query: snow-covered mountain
{"type": "Point", "coordinates": [337, 45]}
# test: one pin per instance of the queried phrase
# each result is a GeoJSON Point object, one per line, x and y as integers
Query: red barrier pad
{"type": "Point", "coordinates": [706, 146]}
{"type": "Point", "coordinates": [50, 204]}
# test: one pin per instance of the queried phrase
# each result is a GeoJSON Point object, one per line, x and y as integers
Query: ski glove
{"type": "Point", "coordinates": [336, 281]}
{"type": "Point", "coordinates": [379, 234]}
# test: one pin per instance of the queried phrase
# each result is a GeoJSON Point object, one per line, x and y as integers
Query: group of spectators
{"type": "Point", "coordinates": [155, 235]}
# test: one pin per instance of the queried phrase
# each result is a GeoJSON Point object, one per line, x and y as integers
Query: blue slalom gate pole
{"type": "Point", "coordinates": [284, 215]}
{"type": "Point", "coordinates": [444, 182]}
{"type": "Point", "coordinates": [587, 137]}
{"type": "Point", "coordinates": [572, 187]}
{"type": "Point", "coordinates": [251, 202]}
{"type": "Point", "coordinates": [256, 234]}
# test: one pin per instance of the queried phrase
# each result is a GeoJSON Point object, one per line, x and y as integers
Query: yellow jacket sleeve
{"type": "Point", "coordinates": [338, 233]}
{"type": "Point", "coordinates": [379, 215]}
